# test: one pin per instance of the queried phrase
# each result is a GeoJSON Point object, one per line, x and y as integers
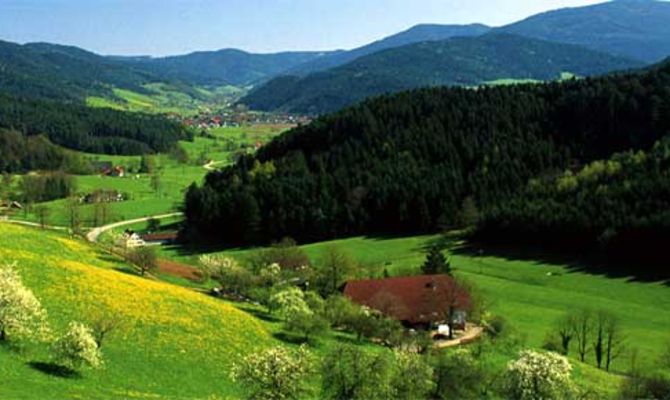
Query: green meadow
{"type": "Point", "coordinates": [530, 294]}
{"type": "Point", "coordinates": [175, 177]}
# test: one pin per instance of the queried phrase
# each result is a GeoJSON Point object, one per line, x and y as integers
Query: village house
{"type": "Point", "coordinates": [130, 240]}
{"type": "Point", "coordinates": [417, 301]}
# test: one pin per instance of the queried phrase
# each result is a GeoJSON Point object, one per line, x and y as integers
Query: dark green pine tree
{"type": "Point", "coordinates": [436, 263]}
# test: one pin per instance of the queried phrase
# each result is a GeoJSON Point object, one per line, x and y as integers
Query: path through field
{"type": "Point", "coordinates": [94, 233]}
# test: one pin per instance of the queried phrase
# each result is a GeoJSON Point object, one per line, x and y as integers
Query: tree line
{"type": "Point", "coordinates": [617, 206]}
{"type": "Point", "coordinates": [91, 130]}
{"type": "Point", "coordinates": [407, 163]}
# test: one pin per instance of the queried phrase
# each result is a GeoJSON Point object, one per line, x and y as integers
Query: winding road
{"type": "Point", "coordinates": [93, 235]}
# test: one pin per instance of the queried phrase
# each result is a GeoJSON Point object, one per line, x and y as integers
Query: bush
{"type": "Point", "coordinates": [21, 314]}
{"type": "Point", "coordinates": [77, 347]}
{"type": "Point", "coordinates": [276, 373]}
{"type": "Point", "coordinates": [537, 375]}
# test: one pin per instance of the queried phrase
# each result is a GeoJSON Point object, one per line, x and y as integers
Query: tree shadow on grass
{"type": "Point", "coordinates": [53, 369]}
{"type": "Point", "coordinates": [258, 314]}
{"type": "Point", "coordinates": [593, 264]}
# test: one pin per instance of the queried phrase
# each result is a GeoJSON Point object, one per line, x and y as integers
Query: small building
{"type": "Point", "coordinates": [10, 205]}
{"type": "Point", "coordinates": [417, 301]}
{"type": "Point", "coordinates": [130, 240]}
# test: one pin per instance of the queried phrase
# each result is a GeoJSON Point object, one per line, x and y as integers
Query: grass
{"type": "Point", "coordinates": [177, 343]}
{"type": "Point", "coordinates": [175, 178]}
{"type": "Point", "coordinates": [531, 295]}
{"type": "Point", "coordinates": [164, 98]}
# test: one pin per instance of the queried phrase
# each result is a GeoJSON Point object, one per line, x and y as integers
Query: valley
{"type": "Point", "coordinates": [476, 208]}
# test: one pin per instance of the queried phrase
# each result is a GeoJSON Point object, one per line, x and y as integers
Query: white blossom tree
{"type": "Point", "coordinates": [536, 375]}
{"type": "Point", "coordinates": [289, 303]}
{"type": "Point", "coordinates": [77, 348]}
{"type": "Point", "coordinates": [21, 314]}
{"type": "Point", "coordinates": [273, 374]}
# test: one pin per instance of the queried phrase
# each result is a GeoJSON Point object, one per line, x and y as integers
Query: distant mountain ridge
{"type": "Point", "coordinates": [45, 70]}
{"type": "Point", "coordinates": [223, 67]}
{"type": "Point", "coordinates": [416, 34]}
{"type": "Point", "coordinates": [458, 61]}
{"type": "Point", "coordinates": [638, 29]}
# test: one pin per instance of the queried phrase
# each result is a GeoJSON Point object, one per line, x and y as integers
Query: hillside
{"type": "Point", "coordinates": [416, 34]}
{"type": "Point", "coordinates": [407, 162]}
{"type": "Point", "coordinates": [626, 198]}
{"type": "Point", "coordinates": [458, 61]}
{"type": "Point", "coordinates": [63, 72]}
{"type": "Point", "coordinates": [175, 342]}
{"type": "Point", "coordinates": [638, 29]}
{"type": "Point", "coordinates": [93, 130]}
{"type": "Point", "coordinates": [223, 67]}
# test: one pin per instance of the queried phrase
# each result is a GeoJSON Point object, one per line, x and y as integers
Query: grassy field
{"type": "Point", "coordinates": [177, 343]}
{"type": "Point", "coordinates": [531, 295]}
{"type": "Point", "coordinates": [163, 98]}
{"type": "Point", "coordinates": [175, 177]}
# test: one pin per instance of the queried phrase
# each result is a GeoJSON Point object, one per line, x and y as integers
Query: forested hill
{"type": "Point", "coordinates": [223, 67]}
{"type": "Point", "coordinates": [416, 34]}
{"type": "Point", "coordinates": [41, 70]}
{"type": "Point", "coordinates": [620, 206]}
{"type": "Point", "coordinates": [86, 129]}
{"type": "Point", "coordinates": [406, 162]}
{"type": "Point", "coordinates": [457, 61]}
{"type": "Point", "coordinates": [638, 29]}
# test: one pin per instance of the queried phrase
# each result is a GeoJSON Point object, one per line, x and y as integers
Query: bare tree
{"type": "Point", "coordinates": [104, 325]}
{"type": "Point", "coordinates": [74, 214]}
{"type": "Point", "coordinates": [42, 213]}
{"type": "Point", "coordinates": [582, 327]}
{"type": "Point", "coordinates": [614, 341]}
{"type": "Point", "coordinates": [566, 331]}
{"type": "Point", "coordinates": [143, 258]}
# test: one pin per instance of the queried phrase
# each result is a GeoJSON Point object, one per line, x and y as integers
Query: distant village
{"type": "Point", "coordinates": [238, 116]}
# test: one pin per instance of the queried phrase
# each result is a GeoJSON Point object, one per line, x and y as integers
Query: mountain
{"type": "Point", "coordinates": [62, 72]}
{"type": "Point", "coordinates": [407, 162]}
{"type": "Point", "coordinates": [638, 29]}
{"type": "Point", "coordinates": [416, 34]}
{"type": "Point", "coordinates": [223, 67]}
{"type": "Point", "coordinates": [458, 61]}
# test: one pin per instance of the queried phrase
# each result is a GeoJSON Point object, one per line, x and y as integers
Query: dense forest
{"type": "Point", "coordinates": [620, 206]}
{"type": "Point", "coordinates": [461, 61]}
{"type": "Point", "coordinates": [406, 163]}
{"type": "Point", "coordinates": [21, 153]}
{"type": "Point", "coordinates": [91, 130]}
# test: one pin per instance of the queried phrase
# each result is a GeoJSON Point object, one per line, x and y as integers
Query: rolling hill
{"type": "Point", "coordinates": [63, 72]}
{"type": "Point", "coordinates": [458, 61]}
{"type": "Point", "coordinates": [638, 29]}
{"type": "Point", "coordinates": [175, 342]}
{"type": "Point", "coordinates": [223, 67]}
{"type": "Point", "coordinates": [408, 162]}
{"type": "Point", "coordinates": [416, 34]}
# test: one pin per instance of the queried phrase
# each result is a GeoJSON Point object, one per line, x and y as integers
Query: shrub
{"type": "Point", "coordinates": [77, 347]}
{"type": "Point", "coordinates": [274, 374]}
{"type": "Point", "coordinates": [536, 375]}
{"type": "Point", "coordinates": [21, 314]}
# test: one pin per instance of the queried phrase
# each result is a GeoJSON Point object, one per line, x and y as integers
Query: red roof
{"type": "Point", "coordinates": [159, 237]}
{"type": "Point", "coordinates": [413, 299]}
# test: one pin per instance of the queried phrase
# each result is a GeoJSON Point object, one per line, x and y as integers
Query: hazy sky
{"type": "Point", "coordinates": [161, 27]}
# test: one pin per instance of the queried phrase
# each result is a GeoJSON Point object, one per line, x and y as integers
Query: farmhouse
{"type": "Point", "coordinates": [130, 240]}
{"type": "Point", "coordinates": [417, 301]}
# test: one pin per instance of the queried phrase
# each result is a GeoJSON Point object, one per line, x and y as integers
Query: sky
{"type": "Point", "coordinates": [168, 27]}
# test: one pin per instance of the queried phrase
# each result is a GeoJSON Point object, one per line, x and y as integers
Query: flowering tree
{"type": "Point", "coordinates": [289, 302]}
{"type": "Point", "coordinates": [21, 314]}
{"type": "Point", "coordinates": [77, 347]}
{"type": "Point", "coordinates": [413, 377]}
{"type": "Point", "coordinates": [273, 374]}
{"type": "Point", "coordinates": [536, 375]}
